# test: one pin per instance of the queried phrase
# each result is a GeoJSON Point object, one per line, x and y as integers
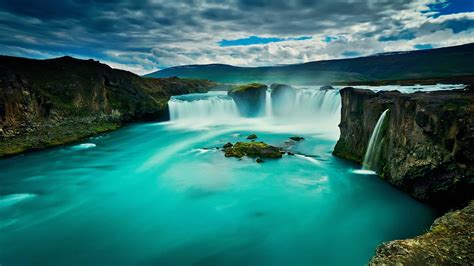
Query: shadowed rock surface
{"type": "Point", "coordinates": [448, 242]}
{"type": "Point", "coordinates": [50, 102]}
{"type": "Point", "coordinates": [250, 98]}
{"type": "Point", "coordinates": [427, 141]}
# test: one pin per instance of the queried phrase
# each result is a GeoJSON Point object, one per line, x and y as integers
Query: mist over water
{"type": "Point", "coordinates": [310, 111]}
{"type": "Point", "coordinates": [164, 194]}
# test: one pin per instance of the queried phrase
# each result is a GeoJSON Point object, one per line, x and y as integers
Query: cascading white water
{"type": "Point", "coordinates": [374, 147]}
{"type": "Point", "coordinates": [268, 103]}
{"type": "Point", "coordinates": [308, 111]}
{"type": "Point", "coordinates": [212, 107]}
{"type": "Point", "coordinates": [310, 101]}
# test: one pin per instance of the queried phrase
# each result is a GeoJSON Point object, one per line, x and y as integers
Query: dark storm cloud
{"type": "Point", "coordinates": [153, 31]}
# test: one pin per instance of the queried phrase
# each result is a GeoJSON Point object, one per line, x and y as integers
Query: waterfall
{"type": "Point", "coordinates": [372, 154]}
{"type": "Point", "coordinates": [308, 110]}
{"type": "Point", "coordinates": [268, 103]}
{"type": "Point", "coordinates": [209, 107]}
{"type": "Point", "coordinates": [311, 101]}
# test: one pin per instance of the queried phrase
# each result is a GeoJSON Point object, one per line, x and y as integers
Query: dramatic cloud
{"type": "Point", "coordinates": [142, 36]}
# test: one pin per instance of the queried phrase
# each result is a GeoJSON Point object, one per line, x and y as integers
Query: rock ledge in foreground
{"type": "Point", "coordinates": [449, 241]}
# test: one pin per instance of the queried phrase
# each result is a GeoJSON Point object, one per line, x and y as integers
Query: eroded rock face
{"type": "Point", "coordinates": [50, 102]}
{"type": "Point", "coordinates": [253, 149]}
{"type": "Point", "coordinates": [250, 99]}
{"type": "Point", "coordinates": [428, 142]}
{"type": "Point", "coordinates": [449, 241]}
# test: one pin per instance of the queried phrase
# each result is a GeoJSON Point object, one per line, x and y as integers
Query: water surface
{"type": "Point", "coordinates": [162, 194]}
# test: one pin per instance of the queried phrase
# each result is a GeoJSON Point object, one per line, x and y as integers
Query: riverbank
{"type": "Point", "coordinates": [44, 103]}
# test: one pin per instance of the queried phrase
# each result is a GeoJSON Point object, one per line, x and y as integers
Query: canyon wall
{"type": "Point", "coordinates": [427, 144]}
{"type": "Point", "coordinates": [50, 102]}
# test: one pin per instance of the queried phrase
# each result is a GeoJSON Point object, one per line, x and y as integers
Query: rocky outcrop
{"type": "Point", "coordinates": [50, 102]}
{"type": "Point", "coordinates": [252, 149]}
{"type": "Point", "coordinates": [326, 88]}
{"type": "Point", "coordinates": [448, 242]}
{"type": "Point", "coordinates": [283, 99]}
{"type": "Point", "coordinates": [427, 143]}
{"type": "Point", "coordinates": [250, 99]}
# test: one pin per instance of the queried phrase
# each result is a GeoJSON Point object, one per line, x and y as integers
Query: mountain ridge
{"type": "Point", "coordinates": [403, 65]}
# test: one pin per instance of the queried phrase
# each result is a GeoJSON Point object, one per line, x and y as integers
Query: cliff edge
{"type": "Point", "coordinates": [50, 102]}
{"type": "Point", "coordinates": [448, 242]}
{"type": "Point", "coordinates": [427, 140]}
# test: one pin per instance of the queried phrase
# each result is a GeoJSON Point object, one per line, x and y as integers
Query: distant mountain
{"type": "Point", "coordinates": [414, 65]}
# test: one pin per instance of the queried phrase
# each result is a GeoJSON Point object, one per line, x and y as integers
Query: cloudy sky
{"type": "Point", "coordinates": [143, 36]}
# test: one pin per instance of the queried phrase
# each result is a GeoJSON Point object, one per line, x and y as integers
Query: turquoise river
{"type": "Point", "coordinates": [164, 194]}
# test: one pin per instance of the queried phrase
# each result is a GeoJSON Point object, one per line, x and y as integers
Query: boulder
{"type": "Point", "coordinates": [326, 88]}
{"type": "Point", "coordinates": [227, 145]}
{"type": "Point", "coordinates": [296, 138]}
{"type": "Point", "coordinates": [252, 136]}
{"type": "Point", "coordinates": [254, 150]}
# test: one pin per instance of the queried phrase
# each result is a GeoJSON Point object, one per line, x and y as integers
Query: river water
{"type": "Point", "coordinates": [162, 194]}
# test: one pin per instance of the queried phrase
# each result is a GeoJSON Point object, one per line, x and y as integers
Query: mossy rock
{"type": "Point", "coordinates": [250, 99]}
{"type": "Point", "coordinates": [253, 149]}
{"type": "Point", "coordinates": [448, 242]}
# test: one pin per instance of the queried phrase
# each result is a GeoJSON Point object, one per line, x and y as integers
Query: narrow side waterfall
{"type": "Point", "coordinates": [372, 154]}
{"type": "Point", "coordinates": [268, 103]}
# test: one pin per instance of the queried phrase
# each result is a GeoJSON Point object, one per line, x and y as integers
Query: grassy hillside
{"type": "Point", "coordinates": [435, 63]}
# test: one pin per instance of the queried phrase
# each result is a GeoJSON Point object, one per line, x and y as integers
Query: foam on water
{"type": "Point", "coordinates": [316, 112]}
{"type": "Point", "coordinates": [12, 199]}
{"type": "Point", "coordinates": [84, 146]}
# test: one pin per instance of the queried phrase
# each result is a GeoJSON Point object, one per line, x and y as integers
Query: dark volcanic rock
{"type": "Point", "coordinates": [253, 149]}
{"type": "Point", "coordinates": [427, 145]}
{"type": "Point", "coordinates": [50, 102]}
{"type": "Point", "coordinates": [283, 99]}
{"type": "Point", "coordinates": [250, 99]}
{"type": "Point", "coordinates": [252, 136]}
{"type": "Point", "coordinates": [449, 241]}
{"type": "Point", "coordinates": [258, 160]}
{"type": "Point", "coordinates": [227, 145]}
{"type": "Point", "coordinates": [296, 138]}
{"type": "Point", "coordinates": [326, 88]}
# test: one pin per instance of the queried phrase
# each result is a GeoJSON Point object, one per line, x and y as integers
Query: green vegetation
{"type": "Point", "coordinates": [253, 149]}
{"type": "Point", "coordinates": [247, 88]}
{"type": "Point", "coordinates": [428, 66]}
{"type": "Point", "coordinates": [448, 242]}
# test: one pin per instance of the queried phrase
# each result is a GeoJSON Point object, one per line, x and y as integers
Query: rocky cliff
{"type": "Point", "coordinates": [250, 98]}
{"type": "Point", "coordinates": [50, 102]}
{"type": "Point", "coordinates": [427, 144]}
{"type": "Point", "coordinates": [448, 242]}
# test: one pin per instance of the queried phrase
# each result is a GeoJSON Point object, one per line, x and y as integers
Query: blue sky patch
{"type": "Point", "coordinates": [423, 46]}
{"type": "Point", "coordinates": [259, 40]}
{"type": "Point", "coordinates": [451, 7]}
{"type": "Point", "coordinates": [351, 53]}
{"type": "Point", "coordinates": [402, 35]}
{"type": "Point", "coordinates": [329, 39]}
